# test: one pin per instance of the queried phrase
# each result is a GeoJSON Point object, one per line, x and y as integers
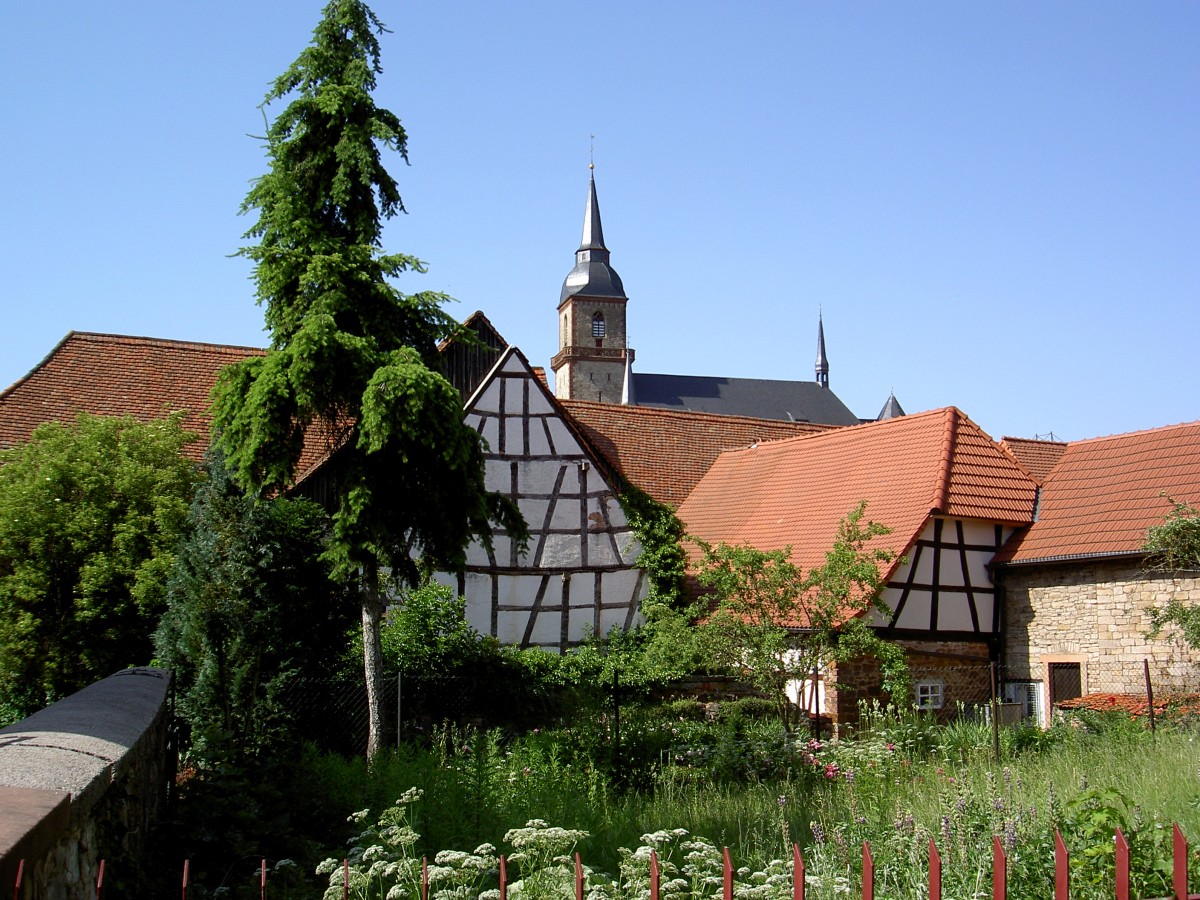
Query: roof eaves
{"type": "Point", "coordinates": [1072, 557]}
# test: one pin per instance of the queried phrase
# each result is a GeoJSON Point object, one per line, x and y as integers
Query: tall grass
{"type": "Point", "coordinates": [476, 787]}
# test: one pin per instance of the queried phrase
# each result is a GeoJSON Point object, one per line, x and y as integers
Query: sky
{"type": "Point", "coordinates": [994, 206]}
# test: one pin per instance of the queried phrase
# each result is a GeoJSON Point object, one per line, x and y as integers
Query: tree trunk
{"type": "Point", "coordinates": [372, 615]}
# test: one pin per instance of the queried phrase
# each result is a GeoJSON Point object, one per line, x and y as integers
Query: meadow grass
{"type": "Point", "coordinates": [476, 787]}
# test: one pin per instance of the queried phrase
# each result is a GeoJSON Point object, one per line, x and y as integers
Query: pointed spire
{"type": "Point", "coordinates": [627, 395]}
{"type": "Point", "coordinates": [891, 409]}
{"type": "Point", "coordinates": [592, 275]}
{"type": "Point", "coordinates": [822, 360]}
{"type": "Point", "coordinates": [593, 232]}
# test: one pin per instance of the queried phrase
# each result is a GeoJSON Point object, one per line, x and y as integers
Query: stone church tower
{"type": "Point", "coordinates": [591, 359]}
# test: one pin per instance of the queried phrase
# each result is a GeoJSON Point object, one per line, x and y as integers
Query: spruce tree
{"type": "Point", "coordinates": [352, 360]}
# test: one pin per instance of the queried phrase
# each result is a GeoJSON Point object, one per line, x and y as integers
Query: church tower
{"type": "Point", "coordinates": [591, 359]}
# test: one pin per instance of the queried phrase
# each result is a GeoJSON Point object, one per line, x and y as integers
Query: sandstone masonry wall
{"type": "Point", "coordinates": [1096, 615]}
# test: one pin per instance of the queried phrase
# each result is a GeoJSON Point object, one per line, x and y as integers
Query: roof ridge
{"type": "Point", "coordinates": [1025, 440]}
{"type": "Point", "coordinates": [1130, 434]}
{"type": "Point", "coordinates": [941, 491]}
{"type": "Point", "coordinates": [146, 339]}
{"type": "Point", "coordinates": [818, 427]}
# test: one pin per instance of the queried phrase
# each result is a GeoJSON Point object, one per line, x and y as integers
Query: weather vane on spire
{"type": "Point", "coordinates": [592, 152]}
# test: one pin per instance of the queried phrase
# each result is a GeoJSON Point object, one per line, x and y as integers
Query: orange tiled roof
{"type": "Point", "coordinates": [795, 492]}
{"type": "Point", "coordinates": [666, 452]}
{"type": "Point", "coordinates": [1039, 457]}
{"type": "Point", "coordinates": [115, 375]}
{"type": "Point", "coordinates": [1105, 492]}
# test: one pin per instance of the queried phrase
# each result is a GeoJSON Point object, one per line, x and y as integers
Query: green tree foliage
{"type": "Point", "coordinates": [250, 604]}
{"type": "Point", "coordinates": [1174, 548]}
{"type": "Point", "coordinates": [352, 359]}
{"type": "Point", "coordinates": [89, 515]}
{"type": "Point", "coordinates": [780, 625]}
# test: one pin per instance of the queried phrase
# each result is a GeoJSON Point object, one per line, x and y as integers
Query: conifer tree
{"type": "Point", "coordinates": [352, 360]}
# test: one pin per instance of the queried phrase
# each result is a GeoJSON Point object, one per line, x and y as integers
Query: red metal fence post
{"type": "Point", "coordinates": [868, 890]}
{"type": "Point", "coordinates": [503, 878]}
{"type": "Point", "coordinates": [20, 878]}
{"type": "Point", "coordinates": [345, 879]}
{"type": "Point", "coordinates": [727, 873]}
{"type": "Point", "coordinates": [99, 879]}
{"type": "Point", "coordinates": [935, 872]}
{"type": "Point", "coordinates": [797, 873]}
{"type": "Point", "coordinates": [1122, 865]}
{"type": "Point", "coordinates": [999, 870]}
{"type": "Point", "coordinates": [1062, 875]}
{"type": "Point", "coordinates": [185, 878]}
{"type": "Point", "coordinates": [424, 878]}
{"type": "Point", "coordinates": [579, 874]}
{"type": "Point", "coordinates": [654, 875]}
{"type": "Point", "coordinates": [1180, 873]}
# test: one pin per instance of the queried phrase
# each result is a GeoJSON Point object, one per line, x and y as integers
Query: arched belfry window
{"type": "Point", "coordinates": [598, 325]}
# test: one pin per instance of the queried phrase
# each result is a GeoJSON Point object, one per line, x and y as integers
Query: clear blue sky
{"type": "Point", "coordinates": [996, 205]}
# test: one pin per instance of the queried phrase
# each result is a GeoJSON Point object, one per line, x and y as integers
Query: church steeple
{"type": "Point", "coordinates": [822, 360]}
{"type": "Point", "coordinates": [592, 275]}
{"type": "Point", "coordinates": [590, 363]}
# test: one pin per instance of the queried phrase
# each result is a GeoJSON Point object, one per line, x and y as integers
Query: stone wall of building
{"type": "Point", "coordinates": [1095, 614]}
{"type": "Point", "coordinates": [83, 781]}
{"type": "Point", "coordinates": [954, 673]}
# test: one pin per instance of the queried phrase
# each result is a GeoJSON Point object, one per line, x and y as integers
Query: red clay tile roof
{"type": "Point", "coordinates": [1039, 457]}
{"type": "Point", "coordinates": [1105, 492]}
{"type": "Point", "coordinates": [114, 375]}
{"type": "Point", "coordinates": [795, 492]}
{"type": "Point", "coordinates": [666, 452]}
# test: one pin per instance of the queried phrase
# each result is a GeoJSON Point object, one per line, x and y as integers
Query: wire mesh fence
{"type": "Point", "coordinates": [333, 712]}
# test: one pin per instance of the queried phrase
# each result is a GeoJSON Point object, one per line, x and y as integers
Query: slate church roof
{"type": "Point", "coordinates": [790, 401]}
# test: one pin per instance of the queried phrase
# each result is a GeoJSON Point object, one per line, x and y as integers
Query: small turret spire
{"type": "Point", "coordinates": [627, 395]}
{"type": "Point", "coordinates": [822, 360]}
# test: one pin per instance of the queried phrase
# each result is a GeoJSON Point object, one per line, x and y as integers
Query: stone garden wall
{"type": "Point", "coordinates": [81, 781]}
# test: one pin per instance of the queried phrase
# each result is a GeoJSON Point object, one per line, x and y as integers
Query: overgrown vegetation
{"type": "Point", "coordinates": [715, 781]}
{"type": "Point", "coordinates": [90, 513]}
{"type": "Point", "coordinates": [784, 627]}
{"type": "Point", "coordinates": [1174, 548]}
{"type": "Point", "coordinates": [250, 604]}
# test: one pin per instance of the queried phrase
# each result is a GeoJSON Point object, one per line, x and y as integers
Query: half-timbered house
{"type": "Point", "coordinates": [578, 576]}
{"type": "Point", "coordinates": [951, 498]}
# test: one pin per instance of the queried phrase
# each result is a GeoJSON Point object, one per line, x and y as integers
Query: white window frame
{"type": "Point", "coordinates": [930, 693]}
